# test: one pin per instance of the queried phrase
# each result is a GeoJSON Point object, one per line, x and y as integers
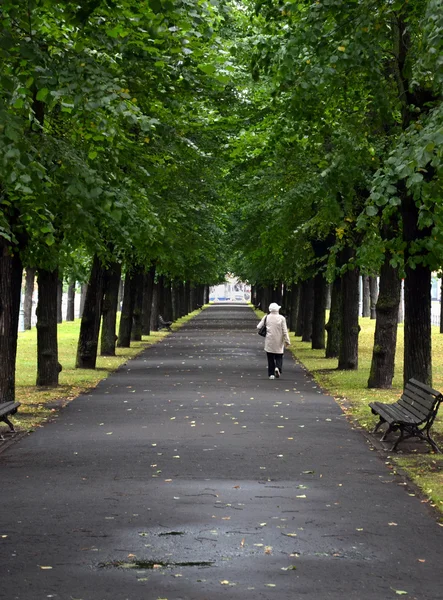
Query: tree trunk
{"type": "Point", "coordinates": [295, 306]}
{"type": "Point", "coordinates": [328, 296]}
{"type": "Point", "coordinates": [137, 315]}
{"type": "Point", "coordinates": [386, 326]}
{"type": "Point", "coordinates": [187, 297]}
{"type": "Point", "coordinates": [121, 290]}
{"type": "Point", "coordinates": [124, 332]}
{"type": "Point", "coordinates": [417, 350]}
{"type": "Point", "coordinates": [59, 301]}
{"type": "Point", "coordinates": [308, 309]}
{"type": "Point", "coordinates": [333, 326]}
{"type": "Point", "coordinates": [27, 302]}
{"type": "Point", "coordinates": [90, 324]}
{"type": "Point", "coordinates": [154, 309]}
{"type": "Point", "coordinates": [70, 308]}
{"type": "Point", "coordinates": [47, 312]}
{"type": "Point", "coordinates": [147, 300]}
{"type": "Point", "coordinates": [182, 299]}
{"type": "Point", "coordinates": [417, 300]}
{"type": "Point", "coordinates": [83, 293]}
{"type": "Point", "coordinates": [301, 302]}
{"type": "Point", "coordinates": [348, 355]}
{"type": "Point", "coordinates": [319, 313]}
{"type": "Point", "coordinates": [10, 288]}
{"type": "Point", "coordinates": [366, 297]}
{"type": "Point", "coordinates": [175, 301]}
{"type": "Point", "coordinates": [373, 292]}
{"type": "Point", "coordinates": [167, 300]}
{"type": "Point", "coordinates": [111, 286]}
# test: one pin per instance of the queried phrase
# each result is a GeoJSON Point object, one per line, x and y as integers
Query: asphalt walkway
{"type": "Point", "coordinates": [188, 475]}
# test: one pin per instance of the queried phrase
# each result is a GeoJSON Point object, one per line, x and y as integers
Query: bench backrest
{"type": "Point", "coordinates": [420, 400]}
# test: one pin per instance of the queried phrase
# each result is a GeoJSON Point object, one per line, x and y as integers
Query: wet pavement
{"type": "Point", "coordinates": [188, 475]}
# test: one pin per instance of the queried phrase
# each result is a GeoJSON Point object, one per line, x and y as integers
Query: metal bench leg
{"type": "Point", "coordinates": [378, 425]}
{"type": "Point", "coordinates": [432, 443]}
{"type": "Point", "coordinates": [386, 433]}
{"type": "Point", "coordinates": [6, 420]}
{"type": "Point", "coordinates": [397, 441]}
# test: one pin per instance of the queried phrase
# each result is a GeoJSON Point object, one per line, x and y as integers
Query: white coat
{"type": "Point", "coordinates": [276, 333]}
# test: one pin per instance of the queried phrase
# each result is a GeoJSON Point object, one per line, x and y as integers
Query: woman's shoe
{"type": "Point", "coordinates": [271, 377]}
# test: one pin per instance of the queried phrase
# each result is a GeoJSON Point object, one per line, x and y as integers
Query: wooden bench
{"type": "Point", "coordinates": [162, 324]}
{"type": "Point", "coordinates": [8, 408]}
{"type": "Point", "coordinates": [413, 414]}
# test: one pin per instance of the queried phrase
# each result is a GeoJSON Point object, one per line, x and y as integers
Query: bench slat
{"type": "Point", "coordinates": [426, 400]}
{"type": "Point", "coordinates": [406, 400]}
{"type": "Point", "coordinates": [7, 407]}
{"type": "Point", "coordinates": [417, 411]}
{"type": "Point", "coordinates": [392, 413]}
{"type": "Point", "coordinates": [424, 387]}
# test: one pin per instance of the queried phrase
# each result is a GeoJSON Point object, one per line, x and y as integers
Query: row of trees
{"type": "Point", "coordinates": [299, 140]}
{"type": "Point", "coordinates": [107, 162]}
{"type": "Point", "coordinates": [339, 167]}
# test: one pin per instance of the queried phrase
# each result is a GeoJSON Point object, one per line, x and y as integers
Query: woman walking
{"type": "Point", "coordinates": [276, 338]}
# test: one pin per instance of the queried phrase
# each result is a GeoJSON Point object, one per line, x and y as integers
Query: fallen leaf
{"type": "Point", "coordinates": [242, 543]}
{"type": "Point", "coordinates": [270, 585]}
{"type": "Point", "coordinates": [45, 568]}
{"type": "Point", "coordinates": [268, 549]}
{"type": "Point", "coordinates": [392, 524]}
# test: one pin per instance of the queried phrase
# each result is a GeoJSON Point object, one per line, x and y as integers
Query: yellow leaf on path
{"type": "Point", "coordinates": [224, 582]}
{"type": "Point", "coordinates": [392, 524]}
{"type": "Point", "coordinates": [270, 585]}
{"type": "Point", "coordinates": [45, 568]}
{"type": "Point", "coordinates": [268, 549]}
{"type": "Point", "coordinates": [242, 543]}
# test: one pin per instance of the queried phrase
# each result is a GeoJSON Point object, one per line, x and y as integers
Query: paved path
{"type": "Point", "coordinates": [241, 487]}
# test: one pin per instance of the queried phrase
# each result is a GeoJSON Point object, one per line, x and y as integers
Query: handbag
{"type": "Point", "coordinates": [262, 330]}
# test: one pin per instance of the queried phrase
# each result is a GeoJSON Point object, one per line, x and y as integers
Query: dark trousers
{"type": "Point", "coordinates": [274, 360]}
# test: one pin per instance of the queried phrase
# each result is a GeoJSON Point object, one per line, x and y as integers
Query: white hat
{"type": "Point", "coordinates": [274, 307]}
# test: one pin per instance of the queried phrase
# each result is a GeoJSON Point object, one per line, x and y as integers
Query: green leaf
{"type": "Point", "coordinates": [207, 68]}
{"type": "Point", "coordinates": [41, 94]}
{"type": "Point", "coordinates": [371, 211]}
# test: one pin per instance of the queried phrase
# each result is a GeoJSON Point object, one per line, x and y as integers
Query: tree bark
{"type": "Point", "coordinates": [83, 293]}
{"type": "Point", "coordinates": [294, 306]}
{"type": "Point", "coordinates": [10, 288]}
{"type": "Point", "coordinates": [90, 324]}
{"type": "Point", "coordinates": [348, 355]}
{"type": "Point", "coordinates": [167, 300]}
{"type": "Point", "coordinates": [366, 297]}
{"type": "Point", "coordinates": [59, 300]}
{"type": "Point", "coordinates": [147, 300]}
{"type": "Point", "coordinates": [27, 302]}
{"type": "Point", "coordinates": [154, 310]}
{"type": "Point", "coordinates": [319, 313]}
{"type": "Point", "coordinates": [48, 366]}
{"type": "Point", "coordinates": [333, 326]}
{"type": "Point", "coordinates": [373, 292]}
{"type": "Point", "coordinates": [308, 309]}
{"type": "Point", "coordinates": [417, 299]}
{"type": "Point", "coordinates": [111, 285]}
{"type": "Point", "coordinates": [70, 307]}
{"type": "Point", "coordinates": [137, 315]}
{"type": "Point", "coordinates": [417, 348]}
{"type": "Point", "coordinates": [386, 326]}
{"type": "Point", "coordinates": [301, 302]}
{"type": "Point", "coordinates": [125, 329]}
